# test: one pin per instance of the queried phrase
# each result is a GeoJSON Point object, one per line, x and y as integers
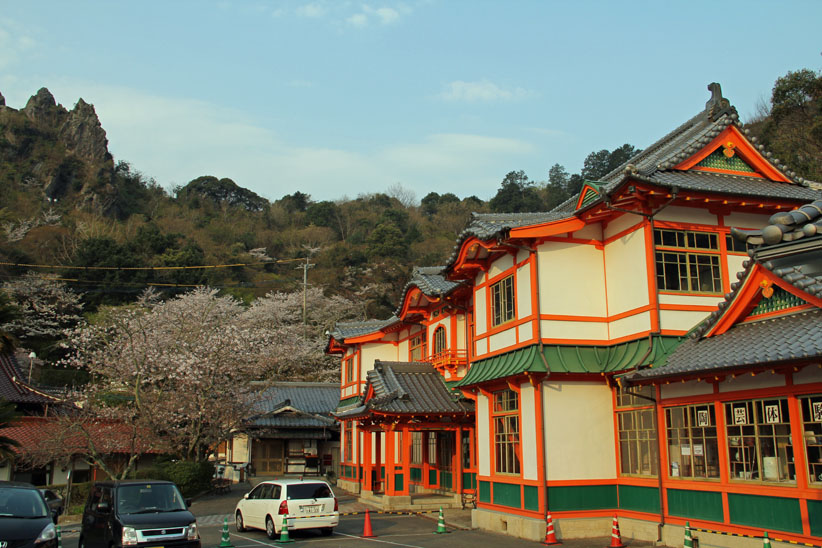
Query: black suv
{"type": "Point", "coordinates": [137, 513]}
{"type": "Point", "coordinates": [25, 519]}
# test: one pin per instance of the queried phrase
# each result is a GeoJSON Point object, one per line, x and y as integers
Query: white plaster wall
{"type": "Point", "coordinates": [502, 340]}
{"type": "Point", "coordinates": [526, 332]}
{"type": "Point", "coordinates": [746, 220]}
{"type": "Point", "coordinates": [734, 266]}
{"type": "Point", "coordinates": [579, 431]}
{"type": "Point", "coordinates": [680, 320]}
{"type": "Point", "coordinates": [483, 437]}
{"type": "Point", "coordinates": [683, 389]}
{"type": "Point", "coordinates": [480, 311]}
{"type": "Point", "coordinates": [675, 298]}
{"type": "Point", "coordinates": [379, 351]}
{"type": "Point", "coordinates": [589, 232]}
{"type": "Point", "coordinates": [528, 432]}
{"type": "Point", "coordinates": [626, 273]}
{"type": "Point", "coordinates": [619, 224]}
{"type": "Point", "coordinates": [524, 305]}
{"type": "Point", "coordinates": [500, 265]}
{"type": "Point", "coordinates": [630, 325]}
{"type": "Point", "coordinates": [810, 374]}
{"type": "Point", "coordinates": [571, 280]}
{"type": "Point", "coordinates": [461, 331]}
{"type": "Point", "coordinates": [747, 381]}
{"type": "Point", "coordinates": [382, 446]}
{"type": "Point", "coordinates": [481, 347]}
{"type": "Point", "coordinates": [687, 215]}
{"type": "Point", "coordinates": [552, 329]}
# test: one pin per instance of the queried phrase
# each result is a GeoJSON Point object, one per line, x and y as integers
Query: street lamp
{"type": "Point", "coordinates": [32, 355]}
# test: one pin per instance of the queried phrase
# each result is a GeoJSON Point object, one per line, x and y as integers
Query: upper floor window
{"type": "Point", "coordinates": [506, 431]}
{"type": "Point", "coordinates": [440, 344]}
{"type": "Point", "coordinates": [349, 369]}
{"type": "Point", "coordinates": [416, 347]}
{"type": "Point", "coordinates": [687, 261]}
{"type": "Point", "coordinates": [502, 301]}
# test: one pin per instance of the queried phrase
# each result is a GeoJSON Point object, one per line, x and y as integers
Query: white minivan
{"type": "Point", "coordinates": [304, 504]}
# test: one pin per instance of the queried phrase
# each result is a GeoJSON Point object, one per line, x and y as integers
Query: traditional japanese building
{"type": "Point", "coordinates": [559, 306]}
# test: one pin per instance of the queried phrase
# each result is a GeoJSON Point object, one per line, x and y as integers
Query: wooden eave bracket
{"type": "Point", "coordinates": [741, 146]}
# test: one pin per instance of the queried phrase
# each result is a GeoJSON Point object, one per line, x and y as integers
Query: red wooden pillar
{"type": "Point", "coordinates": [378, 460]}
{"type": "Point", "coordinates": [458, 458]}
{"type": "Point", "coordinates": [406, 460]}
{"type": "Point", "coordinates": [390, 461]}
{"type": "Point", "coordinates": [366, 460]}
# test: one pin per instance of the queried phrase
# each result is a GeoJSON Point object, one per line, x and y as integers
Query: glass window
{"type": "Point", "coordinates": [466, 451]}
{"type": "Point", "coordinates": [506, 431]}
{"type": "Point", "coordinates": [633, 397]}
{"type": "Point", "coordinates": [502, 301]}
{"type": "Point", "coordinates": [687, 261]}
{"type": "Point", "coordinates": [416, 447]}
{"type": "Point", "coordinates": [693, 451]}
{"type": "Point", "coordinates": [416, 347]}
{"type": "Point", "coordinates": [348, 441]}
{"type": "Point", "coordinates": [759, 440]}
{"type": "Point", "coordinates": [812, 423]}
{"type": "Point", "coordinates": [439, 340]}
{"type": "Point", "coordinates": [432, 447]}
{"type": "Point", "coordinates": [637, 442]}
{"type": "Point", "coordinates": [349, 369]}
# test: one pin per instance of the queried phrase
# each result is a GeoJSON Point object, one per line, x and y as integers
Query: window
{"type": "Point", "coordinates": [432, 448]}
{"type": "Point", "coordinates": [445, 449]}
{"type": "Point", "coordinates": [416, 447]}
{"type": "Point", "coordinates": [466, 451]}
{"type": "Point", "coordinates": [637, 442]}
{"type": "Point", "coordinates": [348, 441]}
{"type": "Point", "coordinates": [634, 397]}
{"type": "Point", "coordinates": [502, 301]}
{"type": "Point", "coordinates": [812, 421]}
{"type": "Point", "coordinates": [349, 370]}
{"type": "Point", "coordinates": [439, 340]}
{"type": "Point", "coordinates": [692, 447]}
{"type": "Point", "coordinates": [416, 347]}
{"type": "Point", "coordinates": [687, 261]}
{"type": "Point", "coordinates": [759, 440]}
{"type": "Point", "coordinates": [736, 246]}
{"type": "Point", "coordinates": [506, 431]}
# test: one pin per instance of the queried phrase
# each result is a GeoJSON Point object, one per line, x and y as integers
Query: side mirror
{"type": "Point", "coordinates": [103, 507]}
{"type": "Point", "coordinates": [245, 496]}
{"type": "Point", "coordinates": [188, 503]}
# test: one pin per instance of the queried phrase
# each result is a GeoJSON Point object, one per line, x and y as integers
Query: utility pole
{"type": "Point", "coordinates": [305, 266]}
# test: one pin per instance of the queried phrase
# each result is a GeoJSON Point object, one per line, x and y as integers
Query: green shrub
{"type": "Point", "coordinates": [156, 472]}
{"type": "Point", "coordinates": [191, 477]}
{"type": "Point", "coordinates": [79, 494]}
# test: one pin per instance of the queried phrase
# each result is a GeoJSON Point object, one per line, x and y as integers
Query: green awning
{"type": "Point", "coordinates": [348, 402]}
{"type": "Point", "coordinates": [573, 358]}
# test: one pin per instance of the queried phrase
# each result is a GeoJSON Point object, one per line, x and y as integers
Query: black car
{"type": "Point", "coordinates": [137, 513]}
{"type": "Point", "coordinates": [53, 500]}
{"type": "Point", "coordinates": [25, 519]}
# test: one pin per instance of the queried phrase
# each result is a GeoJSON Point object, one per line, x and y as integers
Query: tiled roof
{"type": "Point", "coordinates": [346, 330]}
{"type": "Point", "coordinates": [297, 405]}
{"type": "Point", "coordinates": [730, 184]}
{"type": "Point", "coordinates": [38, 433]}
{"type": "Point", "coordinates": [786, 226]}
{"type": "Point", "coordinates": [13, 386]}
{"type": "Point", "coordinates": [789, 338]}
{"type": "Point", "coordinates": [430, 281]}
{"type": "Point", "coordinates": [408, 388]}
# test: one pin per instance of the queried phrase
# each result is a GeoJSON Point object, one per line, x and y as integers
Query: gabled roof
{"type": "Point", "coordinates": [296, 405]}
{"type": "Point", "coordinates": [15, 389]}
{"type": "Point", "coordinates": [347, 330]}
{"type": "Point", "coordinates": [430, 281]}
{"type": "Point", "coordinates": [407, 388]}
{"type": "Point", "coordinates": [774, 313]}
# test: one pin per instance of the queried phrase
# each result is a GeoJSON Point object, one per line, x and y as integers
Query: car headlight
{"type": "Point", "coordinates": [129, 536]}
{"type": "Point", "coordinates": [192, 531]}
{"type": "Point", "coordinates": [48, 533]}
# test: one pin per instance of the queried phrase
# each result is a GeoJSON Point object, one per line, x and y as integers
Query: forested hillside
{"type": "Point", "coordinates": [110, 230]}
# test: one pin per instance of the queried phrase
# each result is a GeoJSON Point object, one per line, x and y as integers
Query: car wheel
{"type": "Point", "coordinates": [270, 530]}
{"type": "Point", "coordinates": [326, 531]}
{"type": "Point", "coordinates": [238, 522]}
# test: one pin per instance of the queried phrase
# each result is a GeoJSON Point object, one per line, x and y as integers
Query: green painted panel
{"type": "Point", "coordinates": [416, 474]}
{"type": "Point", "coordinates": [507, 494]}
{"type": "Point", "coordinates": [815, 517]}
{"type": "Point", "coordinates": [485, 491]}
{"type": "Point", "coordinates": [469, 480]}
{"type": "Point", "coordinates": [582, 497]}
{"type": "Point", "coordinates": [446, 480]}
{"type": "Point", "coordinates": [382, 472]}
{"type": "Point", "coordinates": [399, 482]}
{"type": "Point", "coordinates": [639, 499]}
{"type": "Point", "coordinates": [718, 160]}
{"type": "Point", "coordinates": [695, 504]}
{"type": "Point", "coordinates": [781, 514]}
{"type": "Point", "coordinates": [432, 476]}
{"type": "Point", "coordinates": [530, 497]}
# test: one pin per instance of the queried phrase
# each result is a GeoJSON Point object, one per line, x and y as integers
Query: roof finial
{"type": "Point", "coordinates": [717, 104]}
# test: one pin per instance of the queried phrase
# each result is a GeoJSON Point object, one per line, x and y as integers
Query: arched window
{"type": "Point", "coordinates": [440, 344]}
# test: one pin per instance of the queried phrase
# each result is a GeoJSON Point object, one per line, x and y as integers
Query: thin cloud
{"type": "Point", "coordinates": [312, 11]}
{"type": "Point", "coordinates": [383, 15]}
{"type": "Point", "coordinates": [358, 20]}
{"type": "Point", "coordinates": [482, 91]}
{"type": "Point", "coordinates": [15, 43]}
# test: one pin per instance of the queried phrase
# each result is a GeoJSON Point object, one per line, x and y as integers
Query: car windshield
{"type": "Point", "coordinates": [308, 491]}
{"type": "Point", "coordinates": [143, 498]}
{"type": "Point", "coordinates": [21, 503]}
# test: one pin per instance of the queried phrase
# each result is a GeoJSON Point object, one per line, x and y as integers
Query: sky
{"type": "Point", "coordinates": [337, 99]}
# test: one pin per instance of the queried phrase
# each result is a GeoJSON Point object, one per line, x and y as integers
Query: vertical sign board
{"type": "Point", "coordinates": [772, 414]}
{"type": "Point", "coordinates": [740, 415]}
{"type": "Point", "coordinates": [703, 418]}
{"type": "Point", "coordinates": [817, 411]}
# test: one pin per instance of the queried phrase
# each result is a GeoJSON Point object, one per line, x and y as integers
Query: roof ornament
{"type": "Point", "coordinates": [717, 105]}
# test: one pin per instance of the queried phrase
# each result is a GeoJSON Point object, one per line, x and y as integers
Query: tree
{"type": "Point", "coordinates": [599, 163]}
{"type": "Point", "coordinates": [8, 314]}
{"type": "Point", "coordinates": [7, 416]}
{"type": "Point", "coordinates": [516, 195]}
{"type": "Point", "coordinates": [179, 371]}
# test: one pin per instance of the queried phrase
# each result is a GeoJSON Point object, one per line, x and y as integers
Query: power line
{"type": "Point", "coordinates": [71, 267]}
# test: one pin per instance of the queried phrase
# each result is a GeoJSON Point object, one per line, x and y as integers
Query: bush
{"type": "Point", "coordinates": [155, 472]}
{"type": "Point", "coordinates": [79, 494]}
{"type": "Point", "coordinates": [191, 477]}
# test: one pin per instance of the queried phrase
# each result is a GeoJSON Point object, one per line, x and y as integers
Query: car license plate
{"type": "Point", "coordinates": [314, 509]}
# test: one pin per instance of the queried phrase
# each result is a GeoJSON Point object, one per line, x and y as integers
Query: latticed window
{"type": "Point", "coordinates": [506, 431]}
{"type": "Point", "coordinates": [812, 421]}
{"type": "Point", "coordinates": [432, 448]}
{"type": "Point", "coordinates": [349, 369]}
{"type": "Point", "coordinates": [687, 261]}
{"type": "Point", "coordinates": [416, 347]}
{"type": "Point", "coordinates": [502, 301]}
{"type": "Point", "coordinates": [759, 440]}
{"type": "Point", "coordinates": [692, 447]}
{"type": "Point", "coordinates": [439, 340]}
{"type": "Point", "coordinates": [637, 432]}
{"type": "Point", "coordinates": [348, 441]}
{"type": "Point", "coordinates": [416, 447]}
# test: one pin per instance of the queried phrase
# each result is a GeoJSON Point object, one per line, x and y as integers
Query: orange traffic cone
{"type": "Point", "coordinates": [366, 530]}
{"type": "Point", "coordinates": [616, 540]}
{"type": "Point", "coordinates": [550, 536]}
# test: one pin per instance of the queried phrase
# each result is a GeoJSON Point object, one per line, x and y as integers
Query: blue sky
{"type": "Point", "coordinates": [338, 98]}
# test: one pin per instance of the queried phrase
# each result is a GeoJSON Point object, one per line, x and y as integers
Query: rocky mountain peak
{"type": "Point", "coordinates": [2, 100]}
{"type": "Point", "coordinates": [42, 109]}
{"type": "Point", "coordinates": [83, 134]}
